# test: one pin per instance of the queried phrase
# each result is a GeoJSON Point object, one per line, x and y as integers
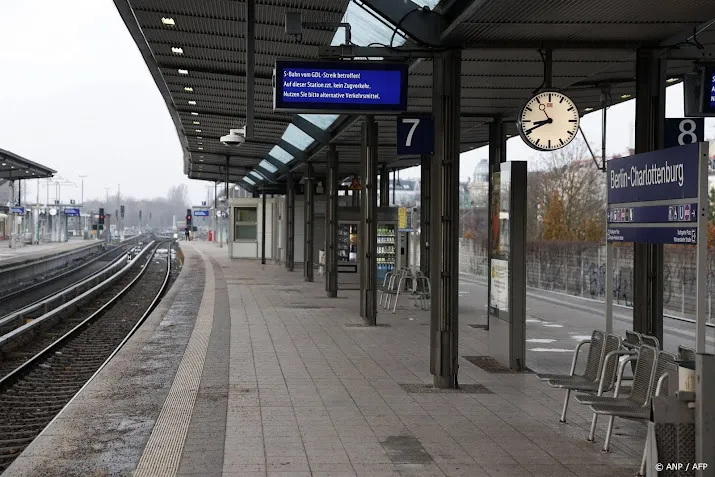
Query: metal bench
{"type": "Point", "coordinates": [605, 378]}
{"type": "Point", "coordinates": [639, 407]}
{"type": "Point", "coordinates": [594, 361]}
{"type": "Point", "coordinates": [421, 292]}
{"type": "Point", "coordinates": [386, 283]}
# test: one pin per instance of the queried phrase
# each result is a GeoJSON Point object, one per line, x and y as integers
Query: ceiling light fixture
{"type": "Point", "coordinates": [588, 109]}
{"type": "Point", "coordinates": [188, 89]}
{"type": "Point", "coordinates": [671, 80]}
{"type": "Point", "coordinates": [177, 51]}
{"type": "Point", "coordinates": [201, 148]}
{"type": "Point", "coordinates": [625, 96]}
{"type": "Point", "coordinates": [193, 113]}
{"type": "Point", "coordinates": [199, 137]}
{"type": "Point", "coordinates": [198, 130]}
{"type": "Point", "coordinates": [168, 21]}
{"type": "Point", "coordinates": [183, 72]}
{"type": "Point", "coordinates": [192, 103]}
{"type": "Point", "coordinates": [196, 123]}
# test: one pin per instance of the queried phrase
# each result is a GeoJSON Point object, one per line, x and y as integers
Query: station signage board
{"type": "Point", "coordinates": [72, 212]}
{"type": "Point", "coordinates": [347, 87]}
{"type": "Point", "coordinates": [654, 197]}
{"type": "Point", "coordinates": [201, 213]}
{"type": "Point", "coordinates": [17, 210]}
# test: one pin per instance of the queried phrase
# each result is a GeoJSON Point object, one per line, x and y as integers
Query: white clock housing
{"type": "Point", "coordinates": [548, 121]}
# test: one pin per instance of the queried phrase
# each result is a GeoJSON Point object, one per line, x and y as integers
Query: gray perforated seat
{"type": "Point", "coordinates": [607, 370]}
{"type": "Point", "coordinates": [594, 361]}
{"type": "Point", "coordinates": [637, 404]}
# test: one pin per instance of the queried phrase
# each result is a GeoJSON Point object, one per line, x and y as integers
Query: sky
{"type": "Point", "coordinates": [78, 97]}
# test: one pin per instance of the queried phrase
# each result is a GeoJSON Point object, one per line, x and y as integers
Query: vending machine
{"type": "Point", "coordinates": [386, 249]}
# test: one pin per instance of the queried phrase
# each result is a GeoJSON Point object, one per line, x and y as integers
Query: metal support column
{"type": "Point", "coordinates": [368, 228]}
{"type": "Point", "coordinates": [384, 187]}
{"type": "Point", "coordinates": [497, 155]}
{"type": "Point", "coordinates": [290, 223]}
{"type": "Point", "coordinates": [444, 215]}
{"type": "Point", "coordinates": [425, 214]}
{"type": "Point", "coordinates": [648, 258]}
{"type": "Point", "coordinates": [331, 216]}
{"type": "Point", "coordinates": [309, 228]}
{"type": "Point", "coordinates": [263, 227]}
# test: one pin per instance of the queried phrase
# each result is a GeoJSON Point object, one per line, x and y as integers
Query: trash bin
{"type": "Point", "coordinates": [211, 236]}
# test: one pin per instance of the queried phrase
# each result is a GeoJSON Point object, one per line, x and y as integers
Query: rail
{"type": "Point", "coordinates": [66, 305]}
{"type": "Point", "coordinates": [54, 278]}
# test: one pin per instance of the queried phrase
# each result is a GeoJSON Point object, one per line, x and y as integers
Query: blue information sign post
{"type": "Point", "coordinates": [662, 197]}
{"type": "Point", "coordinates": [201, 213]}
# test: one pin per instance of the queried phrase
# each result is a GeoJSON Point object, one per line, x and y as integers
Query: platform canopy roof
{"type": "Point", "coordinates": [14, 167]}
{"type": "Point", "coordinates": [196, 52]}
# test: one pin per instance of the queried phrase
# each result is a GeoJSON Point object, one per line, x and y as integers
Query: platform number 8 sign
{"type": "Point", "coordinates": [682, 131]}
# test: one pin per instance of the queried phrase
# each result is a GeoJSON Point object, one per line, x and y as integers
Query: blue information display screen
{"type": "Point", "coordinates": [201, 213]}
{"type": "Point", "coordinates": [709, 91]}
{"type": "Point", "coordinates": [340, 87]}
{"type": "Point", "coordinates": [72, 212]}
{"type": "Point", "coordinates": [17, 210]}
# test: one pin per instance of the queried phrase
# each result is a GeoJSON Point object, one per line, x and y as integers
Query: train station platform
{"type": "Point", "coordinates": [33, 253]}
{"type": "Point", "coordinates": [248, 370]}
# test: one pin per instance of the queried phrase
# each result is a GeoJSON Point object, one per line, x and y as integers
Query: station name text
{"type": "Point", "coordinates": [647, 176]}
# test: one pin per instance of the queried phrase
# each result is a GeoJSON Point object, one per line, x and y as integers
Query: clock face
{"type": "Point", "coordinates": [549, 121]}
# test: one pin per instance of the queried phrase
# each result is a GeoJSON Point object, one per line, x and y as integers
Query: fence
{"type": "Point", "coordinates": [579, 269]}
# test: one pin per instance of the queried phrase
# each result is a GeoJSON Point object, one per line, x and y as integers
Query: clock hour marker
{"type": "Point", "coordinates": [549, 97]}
{"type": "Point", "coordinates": [537, 100]}
{"type": "Point", "coordinates": [570, 109]}
{"type": "Point", "coordinates": [561, 141]}
{"type": "Point", "coordinates": [549, 143]}
{"type": "Point", "coordinates": [537, 141]}
{"type": "Point", "coordinates": [572, 120]}
{"type": "Point", "coordinates": [528, 109]}
{"type": "Point", "coordinates": [562, 100]}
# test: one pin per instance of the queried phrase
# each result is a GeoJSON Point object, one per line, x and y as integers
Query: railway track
{"type": "Point", "coordinates": [28, 293]}
{"type": "Point", "coordinates": [56, 365]}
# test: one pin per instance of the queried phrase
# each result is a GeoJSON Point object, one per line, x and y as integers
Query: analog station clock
{"type": "Point", "coordinates": [548, 121]}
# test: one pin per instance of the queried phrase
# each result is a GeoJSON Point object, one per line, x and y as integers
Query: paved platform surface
{"type": "Point", "coordinates": [247, 370]}
{"type": "Point", "coordinates": [12, 256]}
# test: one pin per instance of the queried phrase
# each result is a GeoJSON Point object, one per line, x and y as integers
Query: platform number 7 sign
{"type": "Point", "coordinates": [415, 135]}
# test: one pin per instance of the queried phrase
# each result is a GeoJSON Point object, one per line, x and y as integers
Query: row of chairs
{"type": "Point", "coordinates": [606, 363]}
{"type": "Point", "coordinates": [404, 281]}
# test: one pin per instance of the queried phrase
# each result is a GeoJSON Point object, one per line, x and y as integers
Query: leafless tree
{"type": "Point", "coordinates": [581, 185]}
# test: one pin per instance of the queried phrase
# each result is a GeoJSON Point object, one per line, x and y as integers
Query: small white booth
{"type": "Point", "coordinates": [245, 230]}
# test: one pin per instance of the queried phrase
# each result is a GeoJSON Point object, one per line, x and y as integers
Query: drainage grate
{"type": "Point", "coordinates": [491, 365]}
{"type": "Point", "coordinates": [479, 327]}
{"type": "Point", "coordinates": [428, 388]}
{"type": "Point", "coordinates": [363, 325]}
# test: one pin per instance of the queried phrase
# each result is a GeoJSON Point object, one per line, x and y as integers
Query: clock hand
{"type": "Point", "coordinates": [542, 107]}
{"type": "Point", "coordinates": [538, 124]}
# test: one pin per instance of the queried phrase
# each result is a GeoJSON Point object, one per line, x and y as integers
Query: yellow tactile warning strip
{"type": "Point", "coordinates": [162, 453]}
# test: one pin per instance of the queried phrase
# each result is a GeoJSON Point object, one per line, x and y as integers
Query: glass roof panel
{"type": "Point", "coordinates": [268, 166]}
{"type": "Point", "coordinates": [281, 154]}
{"type": "Point", "coordinates": [323, 121]}
{"type": "Point", "coordinates": [248, 179]}
{"type": "Point", "coordinates": [257, 175]}
{"type": "Point", "coordinates": [426, 3]}
{"type": "Point", "coordinates": [367, 27]}
{"type": "Point", "coordinates": [297, 137]}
